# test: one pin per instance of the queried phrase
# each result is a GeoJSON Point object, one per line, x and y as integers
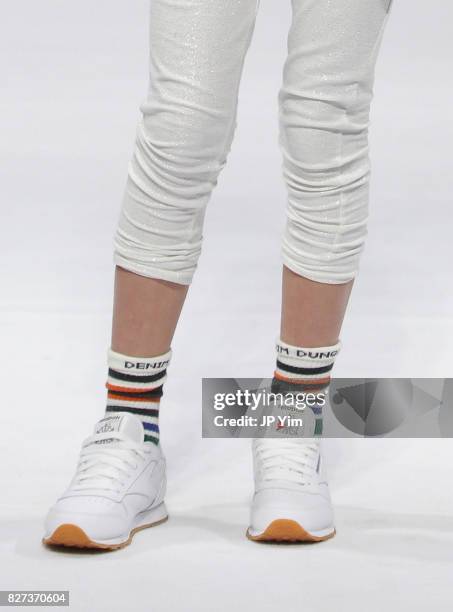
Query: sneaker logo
{"type": "Point", "coordinates": [107, 427]}
{"type": "Point", "coordinates": [109, 424]}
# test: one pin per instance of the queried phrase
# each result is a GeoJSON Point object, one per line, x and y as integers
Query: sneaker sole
{"type": "Point", "coordinates": [73, 536]}
{"type": "Point", "coordinates": [286, 530]}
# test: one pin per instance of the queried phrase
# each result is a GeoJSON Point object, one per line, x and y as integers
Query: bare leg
{"type": "Point", "coordinates": [312, 313]}
{"type": "Point", "coordinates": [145, 313]}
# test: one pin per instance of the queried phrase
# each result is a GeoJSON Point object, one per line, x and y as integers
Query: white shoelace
{"type": "Point", "coordinates": [107, 465]}
{"type": "Point", "coordinates": [290, 460]}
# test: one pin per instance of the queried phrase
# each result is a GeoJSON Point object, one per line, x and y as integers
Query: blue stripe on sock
{"type": "Point", "coordinates": [151, 427]}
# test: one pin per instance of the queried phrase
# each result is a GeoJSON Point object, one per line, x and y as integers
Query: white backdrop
{"type": "Point", "coordinates": [73, 75]}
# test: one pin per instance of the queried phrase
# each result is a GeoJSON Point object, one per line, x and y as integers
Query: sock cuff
{"type": "Point", "coordinates": [138, 366]}
{"type": "Point", "coordinates": [323, 355]}
{"type": "Point", "coordinates": [299, 364]}
{"type": "Point", "coordinates": [137, 374]}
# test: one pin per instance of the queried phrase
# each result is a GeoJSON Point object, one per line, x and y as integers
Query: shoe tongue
{"type": "Point", "coordinates": [126, 424]}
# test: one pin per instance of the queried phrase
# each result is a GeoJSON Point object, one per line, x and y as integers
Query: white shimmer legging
{"type": "Point", "coordinates": [197, 51]}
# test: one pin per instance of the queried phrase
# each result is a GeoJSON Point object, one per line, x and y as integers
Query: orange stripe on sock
{"type": "Point", "coordinates": [300, 381]}
{"type": "Point", "coordinates": [132, 398]}
{"type": "Point", "coordinates": [127, 389]}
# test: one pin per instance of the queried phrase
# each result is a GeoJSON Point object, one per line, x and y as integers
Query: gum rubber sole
{"type": "Point", "coordinates": [286, 530]}
{"type": "Point", "coordinates": [73, 536]}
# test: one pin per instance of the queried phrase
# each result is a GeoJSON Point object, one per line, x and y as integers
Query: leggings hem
{"type": "Point", "coordinates": [180, 278]}
{"type": "Point", "coordinates": [325, 278]}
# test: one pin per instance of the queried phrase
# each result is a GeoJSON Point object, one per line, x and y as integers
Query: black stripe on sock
{"type": "Point", "coordinates": [157, 392]}
{"type": "Point", "coordinates": [135, 378]}
{"type": "Point", "coordinates": [303, 371]}
{"type": "Point", "coordinates": [151, 439]}
{"type": "Point", "coordinates": [152, 412]}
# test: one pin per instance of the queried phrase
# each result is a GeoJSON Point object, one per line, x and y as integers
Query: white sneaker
{"type": "Point", "coordinates": [118, 489]}
{"type": "Point", "coordinates": [292, 500]}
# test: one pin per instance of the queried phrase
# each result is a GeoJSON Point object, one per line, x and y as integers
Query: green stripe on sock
{"type": "Point", "coordinates": [318, 427]}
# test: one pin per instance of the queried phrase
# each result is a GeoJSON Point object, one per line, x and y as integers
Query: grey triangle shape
{"type": "Point", "coordinates": [360, 398]}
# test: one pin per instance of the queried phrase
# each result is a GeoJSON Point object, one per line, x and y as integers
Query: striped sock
{"type": "Point", "coordinates": [304, 370]}
{"type": "Point", "coordinates": [135, 385]}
